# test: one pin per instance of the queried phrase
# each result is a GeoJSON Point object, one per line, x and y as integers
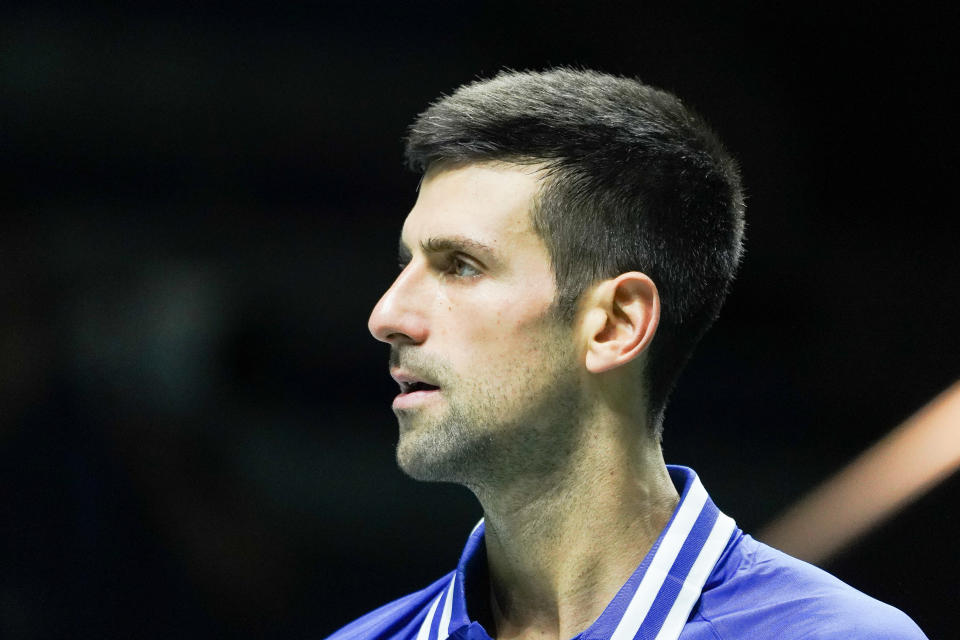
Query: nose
{"type": "Point", "coordinates": [398, 317]}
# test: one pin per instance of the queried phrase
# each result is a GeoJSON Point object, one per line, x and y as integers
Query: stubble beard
{"type": "Point", "coordinates": [444, 448]}
{"type": "Point", "coordinates": [488, 435]}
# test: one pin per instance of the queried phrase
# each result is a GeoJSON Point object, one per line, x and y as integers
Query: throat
{"type": "Point", "coordinates": [555, 564]}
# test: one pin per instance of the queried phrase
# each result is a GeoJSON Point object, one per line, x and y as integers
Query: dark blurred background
{"type": "Point", "coordinates": [201, 206]}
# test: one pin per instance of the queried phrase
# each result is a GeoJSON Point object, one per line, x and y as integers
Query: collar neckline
{"type": "Point", "coordinates": [656, 599]}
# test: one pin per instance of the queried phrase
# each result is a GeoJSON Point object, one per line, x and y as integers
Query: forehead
{"type": "Point", "coordinates": [488, 203]}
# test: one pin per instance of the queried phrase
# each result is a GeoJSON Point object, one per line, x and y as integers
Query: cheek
{"type": "Point", "coordinates": [499, 344]}
{"type": "Point", "coordinates": [493, 329]}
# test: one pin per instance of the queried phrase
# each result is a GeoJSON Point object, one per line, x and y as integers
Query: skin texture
{"type": "Point", "coordinates": [477, 322]}
{"type": "Point", "coordinates": [541, 419]}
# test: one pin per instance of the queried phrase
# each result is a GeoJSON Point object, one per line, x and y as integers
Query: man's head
{"type": "Point", "coordinates": [632, 181]}
{"type": "Point", "coordinates": [568, 222]}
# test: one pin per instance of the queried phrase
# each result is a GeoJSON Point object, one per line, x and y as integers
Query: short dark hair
{"type": "Point", "coordinates": [635, 182]}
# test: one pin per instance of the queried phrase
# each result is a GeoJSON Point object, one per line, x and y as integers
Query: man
{"type": "Point", "coordinates": [574, 236]}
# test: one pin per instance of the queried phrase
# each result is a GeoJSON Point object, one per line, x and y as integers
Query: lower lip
{"type": "Point", "coordinates": [413, 399]}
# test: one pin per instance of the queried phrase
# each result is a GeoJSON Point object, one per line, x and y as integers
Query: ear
{"type": "Point", "coordinates": [620, 320]}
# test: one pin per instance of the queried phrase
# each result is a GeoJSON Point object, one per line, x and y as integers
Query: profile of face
{"type": "Point", "coordinates": [488, 374]}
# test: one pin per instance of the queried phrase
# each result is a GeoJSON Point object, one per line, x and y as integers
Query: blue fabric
{"type": "Point", "coordinates": [753, 592]}
{"type": "Point", "coordinates": [671, 587]}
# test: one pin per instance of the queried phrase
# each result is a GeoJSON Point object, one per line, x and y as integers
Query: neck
{"type": "Point", "coordinates": [559, 548]}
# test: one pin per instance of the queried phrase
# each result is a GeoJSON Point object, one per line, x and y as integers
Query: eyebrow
{"type": "Point", "coordinates": [440, 244]}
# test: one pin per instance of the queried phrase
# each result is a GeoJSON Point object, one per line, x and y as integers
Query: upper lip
{"type": "Point", "coordinates": [407, 379]}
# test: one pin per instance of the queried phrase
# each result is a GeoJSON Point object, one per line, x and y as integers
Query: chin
{"type": "Point", "coordinates": [423, 465]}
{"type": "Point", "coordinates": [437, 455]}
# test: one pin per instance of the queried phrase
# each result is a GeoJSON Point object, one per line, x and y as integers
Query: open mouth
{"type": "Point", "coordinates": [412, 387]}
{"type": "Point", "coordinates": [414, 393]}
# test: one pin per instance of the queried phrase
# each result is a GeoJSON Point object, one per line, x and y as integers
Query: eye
{"type": "Point", "coordinates": [461, 268]}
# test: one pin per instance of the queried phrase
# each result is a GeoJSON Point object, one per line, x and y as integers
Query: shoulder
{"type": "Point", "coordinates": [397, 620]}
{"type": "Point", "coordinates": [760, 592]}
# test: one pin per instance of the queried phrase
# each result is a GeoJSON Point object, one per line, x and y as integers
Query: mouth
{"type": "Point", "coordinates": [413, 390]}
{"type": "Point", "coordinates": [413, 387]}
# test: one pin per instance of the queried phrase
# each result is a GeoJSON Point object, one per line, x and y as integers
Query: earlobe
{"type": "Point", "coordinates": [620, 320]}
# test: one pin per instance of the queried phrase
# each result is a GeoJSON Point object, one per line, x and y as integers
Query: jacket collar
{"type": "Point", "coordinates": [656, 600]}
